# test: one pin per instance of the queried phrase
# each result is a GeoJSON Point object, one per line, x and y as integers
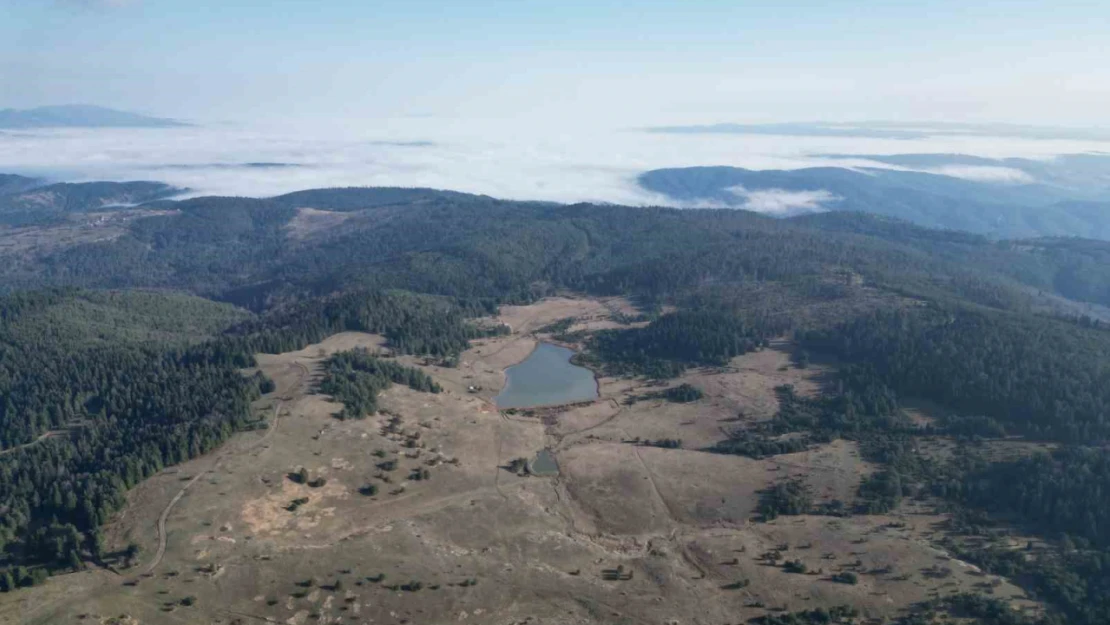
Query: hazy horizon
{"type": "Point", "coordinates": [511, 161]}
{"type": "Point", "coordinates": [658, 63]}
{"type": "Point", "coordinates": [528, 100]}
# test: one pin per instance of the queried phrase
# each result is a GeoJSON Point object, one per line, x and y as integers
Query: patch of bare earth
{"type": "Point", "coordinates": [311, 222]}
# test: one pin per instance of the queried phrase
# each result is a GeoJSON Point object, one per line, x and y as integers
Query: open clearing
{"type": "Point", "coordinates": [626, 533]}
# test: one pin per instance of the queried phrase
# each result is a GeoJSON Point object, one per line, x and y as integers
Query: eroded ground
{"type": "Point", "coordinates": [625, 534]}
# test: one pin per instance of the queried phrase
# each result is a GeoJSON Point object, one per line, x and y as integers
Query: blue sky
{"type": "Point", "coordinates": [626, 62]}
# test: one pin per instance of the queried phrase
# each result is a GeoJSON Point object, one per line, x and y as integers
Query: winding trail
{"type": "Point", "coordinates": [161, 551]}
{"type": "Point", "coordinates": [41, 438]}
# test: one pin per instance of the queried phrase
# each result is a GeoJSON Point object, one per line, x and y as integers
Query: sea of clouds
{"type": "Point", "coordinates": [572, 163]}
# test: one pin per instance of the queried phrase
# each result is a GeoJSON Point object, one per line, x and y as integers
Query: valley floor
{"type": "Point", "coordinates": [625, 534]}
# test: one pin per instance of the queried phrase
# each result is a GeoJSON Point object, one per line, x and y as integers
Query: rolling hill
{"type": "Point", "coordinates": [1045, 205]}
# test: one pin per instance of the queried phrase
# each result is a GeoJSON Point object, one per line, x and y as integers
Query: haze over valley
{"type": "Point", "coordinates": [1019, 186]}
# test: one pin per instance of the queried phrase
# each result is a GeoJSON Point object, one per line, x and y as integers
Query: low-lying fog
{"type": "Point", "coordinates": [536, 162]}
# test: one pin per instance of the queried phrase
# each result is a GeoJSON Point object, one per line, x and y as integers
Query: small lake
{"type": "Point", "coordinates": [544, 464]}
{"type": "Point", "coordinates": [546, 378]}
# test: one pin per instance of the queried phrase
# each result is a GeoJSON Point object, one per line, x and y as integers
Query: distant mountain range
{"type": "Point", "coordinates": [79, 116]}
{"type": "Point", "coordinates": [891, 130]}
{"type": "Point", "coordinates": [1068, 196]}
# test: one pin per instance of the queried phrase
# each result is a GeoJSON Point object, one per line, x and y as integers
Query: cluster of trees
{"type": "Point", "coordinates": [413, 324]}
{"type": "Point", "coordinates": [788, 497]}
{"type": "Point", "coordinates": [673, 342]}
{"type": "Point", "coordinates": [836, 615]}
{"type": "Point", "coordinates": [682, 394]}
{"type": "Point", "coordinates": [356, 377]}
{"type": "Point", "coordinates": [1042, 378]}
{"type": "Point", "coordinates": [1060, 497]}
{"type": "Point", "coordinates": [1073, 582]}
{"type": "Point", "coordinates": [859, 408]}
{"type": "Point", "coordinates": [973, 608]}
{"type": "Point", "coordinates": [1065, 493]}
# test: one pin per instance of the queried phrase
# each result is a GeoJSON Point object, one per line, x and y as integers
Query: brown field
{"type": "Point", "coordinates": [310, 222]}
{"type": "Point", "coordinates": [475, 543]}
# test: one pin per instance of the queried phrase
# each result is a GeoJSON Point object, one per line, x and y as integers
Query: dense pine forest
{"type": "Point", "coordinates": [122, 356]}
{"type": "Point", "coordinates": [1046, 379]}
{"type": "Point", "coordinates": [101, 390]}
{"type": "Point", "coordinates": [674, 342]}
{"type": "Point", "coordinates": [88, 412]}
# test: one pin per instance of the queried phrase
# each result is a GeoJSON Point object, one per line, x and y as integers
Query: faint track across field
{"type": "Point", "coordinates": [161, 551]}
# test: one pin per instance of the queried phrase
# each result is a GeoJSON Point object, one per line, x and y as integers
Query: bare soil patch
{"type": "Point", "coordinates": [311, 222]}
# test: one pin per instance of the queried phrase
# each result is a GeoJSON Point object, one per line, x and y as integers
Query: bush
{"type": "Point", "coordinates": [683, 394]}
{"type": "Point", "coordinates": [795, 566]}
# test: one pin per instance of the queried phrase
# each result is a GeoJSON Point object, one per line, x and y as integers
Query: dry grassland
{"type": "Point", "coordinates": [625, 534]}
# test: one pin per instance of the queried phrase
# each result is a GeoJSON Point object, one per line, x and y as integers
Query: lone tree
{"type": "Point", "coordinates": [131, 553]}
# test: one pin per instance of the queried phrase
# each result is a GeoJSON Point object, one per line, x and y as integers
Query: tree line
{"type": "Point", "coordinates": [356, 378]}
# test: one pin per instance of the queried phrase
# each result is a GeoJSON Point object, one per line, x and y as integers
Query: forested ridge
{"type": "Point", "coordinates": [29, 202]}
{"type": "Point", "coordinates": [129, 381]}
{"type": "Point", "coordinates": [1042, 378]}
{"type": "Point", "coordinates": [247, 251]}
{"type": "Point", "coordinates": [1075, 268]}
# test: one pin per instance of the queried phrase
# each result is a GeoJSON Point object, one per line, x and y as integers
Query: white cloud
{"type": "Point", "coordinates": [564, 163]}
{"type": "Point", "coordinates": [781, 202]}
{"type": "Point", "coordinates": [980, 173]}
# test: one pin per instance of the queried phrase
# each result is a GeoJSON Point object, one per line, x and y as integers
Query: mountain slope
{"type": "Point", "coordinates": [10, 183]}
{"type": "Point", "coordinates": [30, 204]}
{"type": "Point", "coordinates": [932, 200]}
{"type": "Point", "coordinates": [1074, 268]}
{"type": "Point", "coordinates": [79, 116]}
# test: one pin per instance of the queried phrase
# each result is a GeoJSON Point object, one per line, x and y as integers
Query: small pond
{"type": "Point", "coordinates": [544, 464]}
{"type": "Point", "coordinates": [547, 378]}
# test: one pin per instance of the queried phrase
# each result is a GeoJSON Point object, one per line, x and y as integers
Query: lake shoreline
{"type": "Point", "coordinates": [534, 379]}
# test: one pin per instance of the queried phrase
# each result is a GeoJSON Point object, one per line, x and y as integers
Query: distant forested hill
{"type": "Point", "coordinates": [10, 183]}
{"type": "Point", "coordinates": [1071, 198]}
{"type": "Point", "coordinates": [248, 250]}
{"type": "Point", "coordinates": [1075, 268]}
{"type": "Point", "coordinates": [79, 116]}
{"type": "Point", "coordinates": [26, 201]}
{"type": "Point", "coordinates": [259, 252]}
